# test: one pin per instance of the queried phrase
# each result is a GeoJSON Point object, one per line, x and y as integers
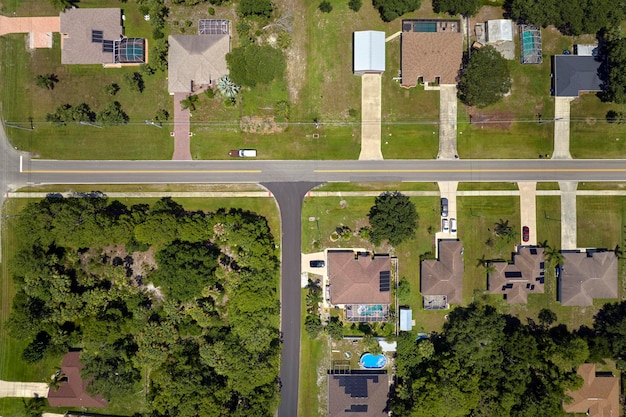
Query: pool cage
{"type": "Point", "coordinates": [367, 312]}
{"type": "Point", "coordinates": [530, 44]}
{"type": "Point", "coordinates": [129, 51]}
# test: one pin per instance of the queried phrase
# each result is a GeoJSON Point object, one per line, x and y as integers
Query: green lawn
{"type": "Point", "coordinates": [312, 353]}
{"type": "Point", "coordinates": [25, 105]}
{"type": "Point", "coordinates": [591, 136]}
{"type": "Point", "coordinates": [377, 186]}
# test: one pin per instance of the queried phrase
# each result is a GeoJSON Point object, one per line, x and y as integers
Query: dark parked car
{"type": "Point", "coordinates": [317, 264]}
{"type": "Point", "coordinates": [444, 207]}
{"type": "Point", "coordinates": [525, 233]}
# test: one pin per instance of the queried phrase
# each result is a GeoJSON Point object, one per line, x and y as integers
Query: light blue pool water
{"type": "Point", "coordinates": [370, 361]}
{"type": "Point", "coordinates": [368, 310]}
{"type": "Point", "coordinates": [425, 27]}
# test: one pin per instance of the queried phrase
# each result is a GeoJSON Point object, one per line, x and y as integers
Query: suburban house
{"type": "Point", "coordinates": [196, 61]}
{"type": "Point", "coordinates": [441, 279]}
{"type": "Point", "coordinates": [72, 392]}
{"type": "Point", "coordinates": [575, 74]}
{"type": "Point", "coordinates": [96, 36]}
{"type": "Point", "coordinates": [431, 50]}
{"type": "Point", "coordinates": [599, 395]}
{"type": "Point", "coordinates": [516, 279]}
{"type": "Point", "coordinates": [369, 52]}
{"type": "Point", "coordinates": [360, 282]}
{"type": "Point", "coordinates": [358, 393]}
{"type": "Point", "coordinates": [587, 275]}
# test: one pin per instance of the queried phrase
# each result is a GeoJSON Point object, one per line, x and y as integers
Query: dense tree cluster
{"type": "Point", "coordinates": [393, 217]}
{"type": "Point", "coordinates": [254, 64]}
{"type": "Point", "coordinates": [485, 79]}
{"type": "Point", "coordinates": [488, 364]}
{"type": "Point", "coordinates": [454, 7]}
{"type": "Point", "coordinates": [392, 9]}
{"type": "Point", "coordinates": [205, 343]}
{"type": "Point", "coordinates": [255, 8]}
{"type": "Point", "coordinates": [613, 71]}
{"type": "Point", "coordinates": [573, 17]}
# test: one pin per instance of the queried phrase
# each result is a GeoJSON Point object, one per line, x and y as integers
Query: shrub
{"type": "Point", "coordinates": [211, 11]}
{"type": "Point", "coordinates": [209, 93]}
{"type": "Point", "coordinates": [282, 110]}
{"type": "Point", "coordinates": [188, 23]}
{"type": "Point", "coordinates": [355, 5]}
{"type": "Point", "coordinates": [111, 89]}
{"type": "Point", "coordinates": [325, 7]}
{"type": "Point", "coordinates": [283, 40]}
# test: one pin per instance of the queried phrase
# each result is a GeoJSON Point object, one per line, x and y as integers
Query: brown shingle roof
{"type": "Point", "coordinates": [599, 395]}
{"type": "Point", "coordinates": [76, 27]}
{"type": "Point", "coordinates": [584, 278]}
{"type": "Point", "coordinates": [199, 59]}
{"type": "Point", "coordinates": [72, 393]}
{"type": "Point", "coordinates": [362, 395]}
{"type": "Point", "coordinates": [431, 55]}
{"type": "Point", "coordinates": [445, 275]}
{"type": "Point", "coordinates": [355, 277]}
{"type": "Point", "coordinates": [518, 279]}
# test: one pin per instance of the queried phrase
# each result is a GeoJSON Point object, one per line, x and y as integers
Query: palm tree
{"type": "Point", "coordinates": [46, 81]}
{"type": "Point", "coordinates": [618, 252]}
{"type": "Point", "coordinates": [189, 103]}
{"type": "Point", "coordinates": [554, 256]}
{"type": "Point", "coordinates": [227, 88]}
{"type": "Point", "coordinates": [57, 380]}
{"type": "Point", "coordinates": [62, 4]}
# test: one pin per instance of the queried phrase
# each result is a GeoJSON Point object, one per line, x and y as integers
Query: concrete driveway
{"type": "Point", "coordinates": [447, 122]}
{"type": "Point", "coordinates": [23, 389]}
{"type": "Point", "coordinates": [308, 257]}
{"type": "Point", "coordinates": [370, 116]}
{"type": "Point", "coordinates": [182, 143]}
{"type": "Point", "coordinates": [528, 211]}
{"type": "Point", "coordinates": [561, 127]}
{"type": "Point", "coordinates": [568, 214]}
{"type": "Point", "coordinates": [39, 28]}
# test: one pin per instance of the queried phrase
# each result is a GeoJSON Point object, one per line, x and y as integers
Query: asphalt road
{"type": "Point", "coordinates": [99, 172]}
{"type": "Point", "coordinates": [289, 197]}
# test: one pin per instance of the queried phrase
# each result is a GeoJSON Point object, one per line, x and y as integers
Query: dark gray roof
{"type": "Point", "coordinates": [574, 74]}
{"type": "Point", "coordinates": [362, 394]}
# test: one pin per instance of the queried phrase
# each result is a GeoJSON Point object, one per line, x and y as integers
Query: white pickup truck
{"type": "Point", "coordinates": [243, 153]}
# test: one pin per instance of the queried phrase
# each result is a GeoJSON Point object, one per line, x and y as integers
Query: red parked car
{"type": "Point", "coordinates": [525, 233]}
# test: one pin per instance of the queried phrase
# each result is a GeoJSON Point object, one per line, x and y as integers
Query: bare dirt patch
{"type": "Point", "coordinates": [261, 125]}
{"type": "Point", "coordinates": [294, 11]}
{"type": "Point", "coordinates": [494, 120]}
{"type": "Point", "coordinates": [488, 13]}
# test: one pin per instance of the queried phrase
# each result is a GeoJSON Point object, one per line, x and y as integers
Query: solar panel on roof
{"type": "Point", "coordinates": [107, 46]}
{"type": "Point", "coordinates": [513, 274]}
{"type": "Point", "coordinates": [97, 36]}
{"type": "Point", "coordinates": [354, 385]}
{"type": "Point", "coordinates": [385, 278]}
{"type": "Point", "coordinates": [357, 408]}
{"type": "Point", "coordinates": [533, 251]}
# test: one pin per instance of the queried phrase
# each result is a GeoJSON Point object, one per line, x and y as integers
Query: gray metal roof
{"type": "Point", "coordinates": [574, 74]}
{"type": "Point", "coordinates": [369, 51]}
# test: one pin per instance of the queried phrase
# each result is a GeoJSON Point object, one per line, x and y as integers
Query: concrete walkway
{"type": "Point", "coordinates": [447, 122]}
{"type": "Point", "coordinates": [371, 105]}
{"type": "Point", "coordinates": [182, 143]}
{"type": "Point", "coordinates": [561, 127]}
{"type": "Point", "coordinates": [528, 210]}
{"type": "Point", "coordinates": [40, 29]}
{"type": "Point", "coordinates": [23, 389]}
{"type": "Point", "coordinates": [568, 214]}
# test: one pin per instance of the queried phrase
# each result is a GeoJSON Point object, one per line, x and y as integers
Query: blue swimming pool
{"type": "Point", "coordinates": [425, 27]}
{"type": "Point", "coordinates": [370, 361]}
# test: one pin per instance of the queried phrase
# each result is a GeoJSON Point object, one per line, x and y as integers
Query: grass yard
{"type": "Point", "coordinates": [591, 136]}
{"type": "Point", "coordinates": [377, 186]}
{"type": "Point", "coordinates": [25, 105]}
{"type": "Point", "coordinates": [313, 359]}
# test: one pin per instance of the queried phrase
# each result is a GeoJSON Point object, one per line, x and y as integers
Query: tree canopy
{"type": "Point", "coordinates": [253, 64]}
{"type": "Point", "coordinates": [485, 363]}
{"type": "Point", "coordinates": [392, 9]}
{"type": "Point", "coordinates": [485, 79]}
{"type": "Point", "coordinates": [614, 76]}
{"type": "Point", "coordinates": [454, 7]}
{"type": "Point", "coordinates": [393, 217]}
{"type": "Point", "coordinates": [204, 342]}
{"type": "Point", "coordinates": [573, 17]}
{"type": "Point", "coordinates": [255, 7]}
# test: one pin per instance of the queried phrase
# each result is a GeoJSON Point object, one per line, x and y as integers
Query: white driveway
{"type": "Point", "coordinates": [568, 214]}
{"type": "Point", "coordinates": [371, 105]}
{"type": "Point", "coordinates": [561, 127]}
{"type": "Point", "coordinates": [23, 389]}
{"type": "Point", "coordinates": [528, 210]}
{"type": "Point", "coordinates": [447, 122]}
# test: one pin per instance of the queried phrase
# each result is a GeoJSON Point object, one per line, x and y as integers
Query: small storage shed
{"type": "Point", "coordinates": [499, 30]}
{"type": "Point", "coordinates": [406, 319]}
